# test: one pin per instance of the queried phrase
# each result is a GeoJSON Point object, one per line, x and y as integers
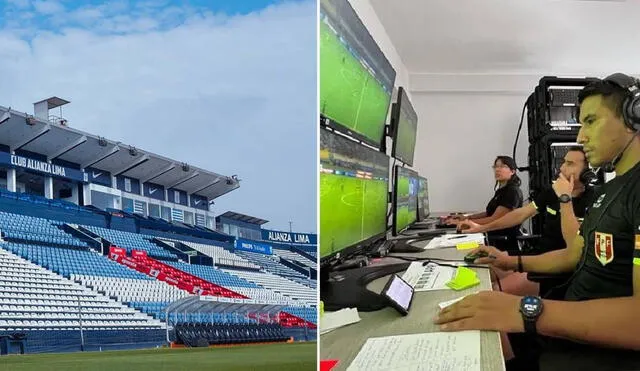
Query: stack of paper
{"type": "Point", "coordinates": [455, 351]}
{"type": "Point", "coordinates": [333, 320]}
{"type": "Point", "coordinates": [451, 240]}
{"type": "Point", "coordinates": [428, 277]}
{"type": "Point", "coordinates": [463, 279]}
{"type": "Point", "coordinates": [445, 304]}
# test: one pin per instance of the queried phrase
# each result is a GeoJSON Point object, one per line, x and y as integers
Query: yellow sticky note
{"type": "Point", "coordinates": [467, 245]}
{"type": "Point", "coordinates": [463, 279]}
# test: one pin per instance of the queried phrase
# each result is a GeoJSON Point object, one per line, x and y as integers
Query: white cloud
{"type": "Point", "coordinates": [235, 95]}
{"type": "Point", "coordinates": [48, 7]}
{"type": "Point", "coordinates": [20, 3]}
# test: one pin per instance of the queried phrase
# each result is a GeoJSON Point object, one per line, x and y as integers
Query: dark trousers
{"type": "Point", "coordinates": [549, 354]}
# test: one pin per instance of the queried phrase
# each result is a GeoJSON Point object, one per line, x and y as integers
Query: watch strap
{"type": "Point", "coordinates": [564, 198]}
{"type": "Point", "coordinates": [520, 267]}
{"type": "Point", "coordinates": [530, 325]}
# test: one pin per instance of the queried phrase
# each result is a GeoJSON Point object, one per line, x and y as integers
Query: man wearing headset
{"type": "Point", "coordinates": [562, 207]}
{"type": "Point", "coordinates": [597, 325]}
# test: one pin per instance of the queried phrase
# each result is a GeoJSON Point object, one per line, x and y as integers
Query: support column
{"type": "Point", "coordinates": [11, 180]}
{"type": "Point", "coordinates": [48, 187]}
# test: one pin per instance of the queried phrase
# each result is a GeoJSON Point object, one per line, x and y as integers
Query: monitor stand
{"type": "Point", "coordinates": [348, 289]}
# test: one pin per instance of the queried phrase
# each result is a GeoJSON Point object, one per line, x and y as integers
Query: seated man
{"type": "Point", "coordinates": [562, 206]}
{"type": "Point", "coordinates": [595, 326]}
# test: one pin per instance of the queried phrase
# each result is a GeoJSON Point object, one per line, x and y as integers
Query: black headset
{"type": "Point", "coordinates": [588, 176]}
{"type": "Point", "coordinates": [631, 104]}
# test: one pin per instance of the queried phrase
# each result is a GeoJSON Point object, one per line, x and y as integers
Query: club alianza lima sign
{"type": "Point", "coordinates": [44, 167]}
{"type": "Point", "coordinates": [288, 237]}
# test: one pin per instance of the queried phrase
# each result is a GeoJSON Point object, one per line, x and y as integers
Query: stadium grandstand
{"type": "Point", "coordinates": [107, 246]}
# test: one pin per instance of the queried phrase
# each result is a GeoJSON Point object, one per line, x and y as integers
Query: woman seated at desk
{"type": "Point", "coordinates": [507, 197]}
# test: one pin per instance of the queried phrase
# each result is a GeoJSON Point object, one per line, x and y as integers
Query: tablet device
{"type": "Point", "coordinates": [399, 294]}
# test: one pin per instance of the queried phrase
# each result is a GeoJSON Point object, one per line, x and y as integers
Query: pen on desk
{"type": "Point", "coordinates": [453, 238]}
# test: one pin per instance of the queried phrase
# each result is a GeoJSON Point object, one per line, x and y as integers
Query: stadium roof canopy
{"type": "Point", "coordinates": [242, 218]}
{"type": "Point", "coordinates": [213, 304]}
{"type": "Point", "coordinates": [56, 141]}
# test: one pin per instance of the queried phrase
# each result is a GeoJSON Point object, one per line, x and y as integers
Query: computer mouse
{"type": "Point", "coordinates": [470, 258]}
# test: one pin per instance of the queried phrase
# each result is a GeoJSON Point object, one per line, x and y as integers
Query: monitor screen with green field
{"type": "Point", "coordinates": [423, 198]}
{"type": "Point", "coordinates": [405, 125]}
{"type": "Point", "coordinates": [356, 79]}
{"type": "Point", "coordinates": [354, 181]}
{"type": "Point", "coordinates": [405, 199]}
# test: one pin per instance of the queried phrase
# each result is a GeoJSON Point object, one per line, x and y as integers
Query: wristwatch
{"type": "Point", "coordinates": [531, 309]}
{"type": "Point", "coordinates": [564, 198]}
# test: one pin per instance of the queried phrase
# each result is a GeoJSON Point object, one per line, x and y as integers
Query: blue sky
{"type": "Point", "coordinates": [229, 86]}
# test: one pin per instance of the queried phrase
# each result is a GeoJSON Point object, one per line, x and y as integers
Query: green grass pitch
{"type": "Point", "coordinates": [403, 187]}
{"type": "Point", "coordinates": [406, 140]}
{"type": "Point", "coordinates": [297, 356]}
{"type": "Point", "coordinates": [349, 213]}
{"type": "Point", "coordinates": [404, 215]}
{"type": "Point", "coordinates": [349, 95]}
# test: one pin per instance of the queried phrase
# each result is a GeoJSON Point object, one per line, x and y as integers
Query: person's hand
{"type": "Point", "coordinates": [454, 219]}
{"type": "Point", "coordinates": [469, 226]}
{"type": "Point", "coordinates": [563, 186]}
{"type": "Point", "coordinates": [495, 258]}
{"type": "Point", "coordinates": [451, 220]}
{"type": "Point", "coordinates": [486, 310]}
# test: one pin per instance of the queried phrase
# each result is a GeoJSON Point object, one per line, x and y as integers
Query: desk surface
{"type": "Point", "coordinates": [344, 343]}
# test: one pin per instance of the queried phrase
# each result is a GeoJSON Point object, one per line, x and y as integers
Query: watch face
{"type": "Point", "coordinates": [531, 306]}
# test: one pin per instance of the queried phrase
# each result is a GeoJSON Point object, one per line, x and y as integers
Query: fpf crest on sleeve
{"type": "Point", "coordinates": [604, 247]}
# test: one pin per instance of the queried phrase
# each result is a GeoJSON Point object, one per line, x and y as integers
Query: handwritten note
{"type": "Point", "coordinates": [437, 351]}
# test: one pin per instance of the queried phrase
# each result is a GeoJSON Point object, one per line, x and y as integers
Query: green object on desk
{"type": "Point", "coordinates": [463, 279]}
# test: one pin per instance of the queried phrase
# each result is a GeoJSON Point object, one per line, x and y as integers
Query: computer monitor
{"type": "Point", "coordinates": [356, 79]}
{"type": "Point", "coordinates": [423, 198]}
{"type": "Point", "coordinates": [405, 199]}
{"type": "Point", "coordinates": [404, 125]}
{"type": "Point", "coordinates": [354, 181]}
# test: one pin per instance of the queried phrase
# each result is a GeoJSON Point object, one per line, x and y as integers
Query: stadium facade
{"type": "Point", "coordinates": [104, 245]}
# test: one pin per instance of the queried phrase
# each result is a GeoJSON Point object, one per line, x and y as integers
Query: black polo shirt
{"type": "Point", "coordinates": [509, 196]}
{"type": "Point", "coordinates": [548, 207]}
{"type": "Point", "coordinates": [610, 229]}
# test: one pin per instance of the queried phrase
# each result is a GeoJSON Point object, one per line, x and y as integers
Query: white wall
{"type": "Point", "coordinates": [464, 122]}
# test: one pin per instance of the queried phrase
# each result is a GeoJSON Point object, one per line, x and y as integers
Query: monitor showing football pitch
{"type": "Point", "coordinates": [354, 181]}
{"type": "Point", "coordinates": [405, 126]}
{"type": "Point", "coordinates": [423, 198]}
{"type": "Point", "coordinates": [356, 79]}
{"type": "Point", "coordinates": [405, 199]}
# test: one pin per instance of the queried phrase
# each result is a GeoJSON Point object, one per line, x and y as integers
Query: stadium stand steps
{"type": "Point", "coordinates": [184, 252]}
{"type": "Point", "coordinates": [176, 277]}
{"type": "Point", "coordinates": [304, 254]}
{"type": "Point", "coordinates": [59, 210]}
{"type": "Point", "coordinates": [132, 241]}
{"type": "Point", "coordinates": [220, 255]}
